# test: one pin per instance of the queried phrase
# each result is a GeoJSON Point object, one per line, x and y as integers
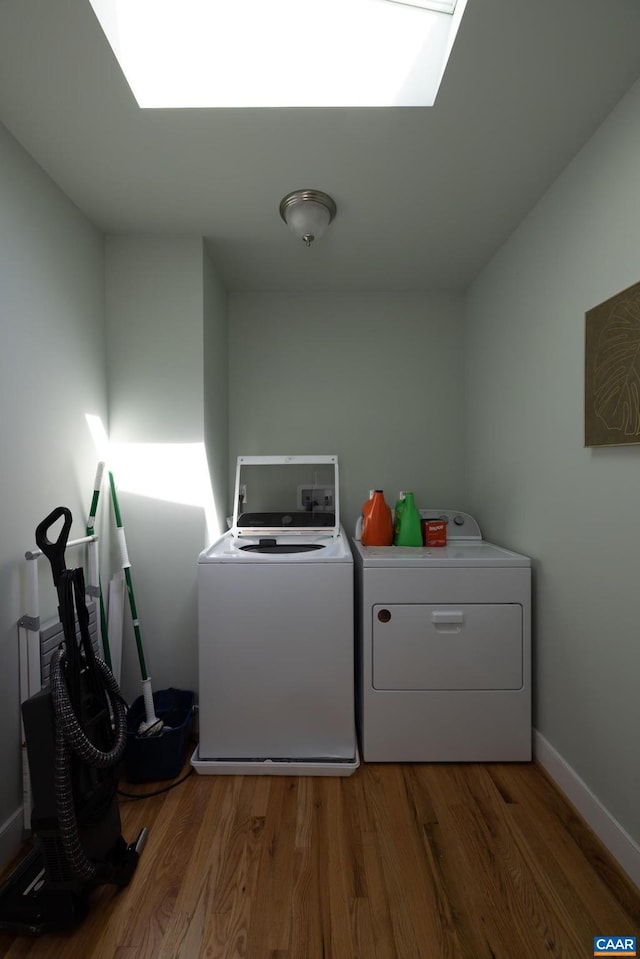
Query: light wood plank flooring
{"type": "Point", "coordinates": [396, 862]}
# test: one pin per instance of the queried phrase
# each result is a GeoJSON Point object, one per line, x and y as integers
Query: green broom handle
{"type": "Point", "coordinates": [90, 532]}
{"type": "Point", "coordinates": [126, 565]}
{"type": "Point", "coordinates": [94, 500]}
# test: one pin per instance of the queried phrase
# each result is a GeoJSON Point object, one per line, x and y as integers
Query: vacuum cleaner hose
{"type": "Point", "coordinates": [70, 737]}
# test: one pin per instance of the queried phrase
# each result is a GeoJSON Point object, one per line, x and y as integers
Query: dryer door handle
{"type": "Point", "coordinates": [447, 617]}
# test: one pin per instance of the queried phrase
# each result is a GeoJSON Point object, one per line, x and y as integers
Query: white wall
{"type": "Point", "coordinates": [52, 372]}
{"type": "Point", "coordinates": [378, 379]}
{"type": "Point", "coordinates": [533, 484]}
{"type": "Point", "coordinates": [375, 378]}
{"type": "Point", "coordinates": [155, 306]}
{"type": "Point", "coordinates": [216, 399]}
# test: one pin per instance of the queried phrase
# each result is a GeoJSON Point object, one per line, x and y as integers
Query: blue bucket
{"type": "Point", "coordinates": [153, 758]}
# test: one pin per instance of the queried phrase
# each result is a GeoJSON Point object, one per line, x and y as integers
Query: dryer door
{"type": "Point", "coordinates": [419, 646]}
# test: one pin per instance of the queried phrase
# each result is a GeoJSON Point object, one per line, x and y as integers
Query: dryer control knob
{"type": "Point", "coordinates": [458, 520]}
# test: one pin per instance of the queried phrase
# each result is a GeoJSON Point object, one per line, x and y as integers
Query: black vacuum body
{"type": "Point", "coordinates": [75, 733]}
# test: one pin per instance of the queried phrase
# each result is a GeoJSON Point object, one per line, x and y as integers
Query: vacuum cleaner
{"type": "Point", "coordinates": [75, 733]}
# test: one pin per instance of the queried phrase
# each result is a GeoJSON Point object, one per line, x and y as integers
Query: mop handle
{"type": "Point", "coordinates": [126, 565]}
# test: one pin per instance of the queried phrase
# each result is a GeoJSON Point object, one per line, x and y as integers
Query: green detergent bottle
{"type": "Point", "coordinates": [409, 526]}
{"type": "Point", "coordinates": [396, 515]}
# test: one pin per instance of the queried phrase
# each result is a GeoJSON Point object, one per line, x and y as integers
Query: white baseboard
{"type": "Point", "coordinates": [11, 836]}
{"type": "Point", "coordinates": [608, 830]}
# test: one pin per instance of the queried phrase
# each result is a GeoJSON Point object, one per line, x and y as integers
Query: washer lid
{"type": "Point", "coordinates": [326, 549]}
{"type": "Point", "coordinates": [286, 495]}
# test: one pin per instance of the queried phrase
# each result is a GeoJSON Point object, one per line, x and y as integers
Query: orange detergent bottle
{"type": "Point", "coordinates": [377, 524]}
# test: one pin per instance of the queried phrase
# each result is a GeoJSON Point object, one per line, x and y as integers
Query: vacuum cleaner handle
{"type": "Point", "coordinates": [54, 551]}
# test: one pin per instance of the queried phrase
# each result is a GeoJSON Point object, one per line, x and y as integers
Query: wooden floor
{"type": "Point", "coordinates": [394, 862]}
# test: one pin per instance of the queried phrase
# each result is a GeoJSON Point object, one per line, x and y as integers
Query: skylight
{"type": "Point", "coordinates": [443, 6]}
{"type": "Point", "coordinates": [281, 53]}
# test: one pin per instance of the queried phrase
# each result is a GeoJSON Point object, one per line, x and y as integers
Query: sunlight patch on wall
{"type": "Point", "coordinates": [280, 53]}
{"type": "Point", "coordinates": [172, 472]}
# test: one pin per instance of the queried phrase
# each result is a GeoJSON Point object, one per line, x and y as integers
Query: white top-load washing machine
{"type": "Point", "coordinates": [275, 627]}
{"type": "Point", "coordinates": [444, 649]}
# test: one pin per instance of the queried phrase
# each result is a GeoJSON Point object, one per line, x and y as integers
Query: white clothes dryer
{"type": "Point", "coordinates": [275, 627]}
{"type": "Point", "coordinates": [444, 649]}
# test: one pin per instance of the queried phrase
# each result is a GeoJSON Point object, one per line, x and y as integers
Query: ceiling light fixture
{"type": "Point", "coordinates": [307, 213]}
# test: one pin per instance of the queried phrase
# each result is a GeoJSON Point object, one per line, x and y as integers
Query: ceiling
{"type": "Point", "coordinates": [425, 195]}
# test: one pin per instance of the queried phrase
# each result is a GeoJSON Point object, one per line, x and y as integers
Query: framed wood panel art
{"type": "Point", "coordinates": [612, 371]}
